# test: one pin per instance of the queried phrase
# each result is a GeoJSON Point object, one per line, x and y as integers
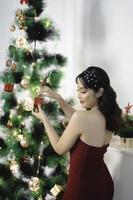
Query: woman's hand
{"type": "Point", "coordinates": [40, 115]}
{"type": "Point", "coordinates": [48, 92]}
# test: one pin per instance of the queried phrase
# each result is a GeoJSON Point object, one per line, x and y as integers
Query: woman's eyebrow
{"type": "Point", "coordinates": [81, 87]}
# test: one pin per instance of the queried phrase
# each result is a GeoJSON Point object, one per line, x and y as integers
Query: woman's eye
{"type": "Point", "coordinates": [81, 91]}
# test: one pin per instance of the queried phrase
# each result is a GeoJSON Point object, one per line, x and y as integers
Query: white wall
{"type": "Point", "coordinates": [93, 32]}
{"type": "Point", "coordinates": [108, 42]}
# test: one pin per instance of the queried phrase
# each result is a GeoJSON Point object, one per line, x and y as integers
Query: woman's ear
{"type": "Point", "coordinates": [100, 92]}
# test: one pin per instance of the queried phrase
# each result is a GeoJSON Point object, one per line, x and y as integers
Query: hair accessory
{"type": "Point", "coordinates": [90, 77]}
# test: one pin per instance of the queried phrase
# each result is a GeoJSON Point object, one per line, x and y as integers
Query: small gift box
{"type": "Point", "coordinates": [8, 87]}
{"type": "Point", "coordinates": [37, 101]}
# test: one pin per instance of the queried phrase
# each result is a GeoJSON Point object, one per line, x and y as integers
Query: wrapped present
{"type": "Point", "coordinates": [8, 87]}
{"type": "Point", "coordinates": [37, 101]}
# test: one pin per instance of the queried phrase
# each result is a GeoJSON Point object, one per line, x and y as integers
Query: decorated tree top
{"type": "Point", "coordinates": [127, 131]}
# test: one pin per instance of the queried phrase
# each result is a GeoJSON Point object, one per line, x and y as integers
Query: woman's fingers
{"type": "Point", "coordinates": [39, 107]}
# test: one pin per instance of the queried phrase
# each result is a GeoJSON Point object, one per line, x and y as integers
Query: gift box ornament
{"type": "Point", "coordinates": [8, 87]}
{"type": "Point", "coordinates": [56, 190]}
{"type": "Point", "coordinates": [37, 101]}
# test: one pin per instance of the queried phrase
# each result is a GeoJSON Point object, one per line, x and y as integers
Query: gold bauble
{"type": "Point", "coordinates": [24, 143]}
{"type": "Point", "coordinates": [20, 137]}
{"type": "Point", "coordinates": [9, 124]}
{"type": "Point", "coordinates": [56, 190]}
{"type": "Point", "coordinates": [28, 105]}
{"type": "Point", "coordinates": [12, 28]}
{"type": "Point", "coordinates": [34, 184]}
{"type": "Point", "coordinates": [25, 83]}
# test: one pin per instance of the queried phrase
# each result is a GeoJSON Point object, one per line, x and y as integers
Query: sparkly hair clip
{"type": "Point", "coordinates": [91, 78]}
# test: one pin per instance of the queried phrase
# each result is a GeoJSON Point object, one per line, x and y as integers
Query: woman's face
{"type": "Point", "coordinates": [87, 97]}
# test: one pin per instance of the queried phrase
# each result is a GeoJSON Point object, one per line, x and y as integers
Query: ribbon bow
{"type": "Point", "coordinates": [24, 1]}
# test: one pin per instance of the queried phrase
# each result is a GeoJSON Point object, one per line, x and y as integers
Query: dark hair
{"type": "Point", "coordinates": [95, 78]}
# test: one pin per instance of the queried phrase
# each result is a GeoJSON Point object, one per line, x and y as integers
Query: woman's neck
{"type": "Point", "coordinates": [93, 108]}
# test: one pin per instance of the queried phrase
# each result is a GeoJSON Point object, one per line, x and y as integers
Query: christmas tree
{"type": "Point", "coordinates": [127, 130]}
{"type": "Point", "coordinates": [29, 167]}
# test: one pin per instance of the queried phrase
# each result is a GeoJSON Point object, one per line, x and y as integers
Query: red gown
{"type": "Point", "coordinates": [89, 178]}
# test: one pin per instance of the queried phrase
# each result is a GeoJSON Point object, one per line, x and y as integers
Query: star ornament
{"type": "Point", "coordinates": [128, 108]}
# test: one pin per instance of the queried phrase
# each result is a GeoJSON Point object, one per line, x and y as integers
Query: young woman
{"type": "Point", "coordinates": [87, 135]}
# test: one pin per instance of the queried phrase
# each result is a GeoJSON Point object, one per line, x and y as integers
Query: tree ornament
{"type": "Point", "coordinates": [12, 28]}
{"type": "Point", "coordinates": [21, 42]}
{"type": "Point", "coordinates": [56, 190]}
{"type": "Point", "coordinates": [20, 137]}
{"type": "Point", "coordinates": [14, 167]}
{"type": "Point", "coordinates": [128, 108]}
{"type": "Point", "coordinates": [22, 24]}
{"type": "Point", "coordinates": [28, 105]}
{"type": "Point", "coordinates": [24, 1]}
{"type": "Point", "coordinates": [13, 66]}
{"type": "Point", "coordinates": [9, 124]}
{"type": "Point", "coordinates": [22, 18]}
{"type": "Point", "coordinates": [37, 101]}
{"type": "Point", "coordinates": [8, 63]}
{"type": "Point", "coordinates": [24, 143]}
{"type": "Point", "coordinates": [25, 83]}
{"type": "Point", "coordinates": [19, 13]}
{"type": "Point", "coordinates": [8, 87]}
{"type": "Point", "coordinates": [34, 184]}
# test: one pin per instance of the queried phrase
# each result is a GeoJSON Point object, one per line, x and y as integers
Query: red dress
{"type": "Point", "coordinates": [89, 178]}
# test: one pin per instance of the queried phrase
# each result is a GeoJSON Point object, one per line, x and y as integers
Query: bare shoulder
{"type": "Point", "coordinates": [90, 115]}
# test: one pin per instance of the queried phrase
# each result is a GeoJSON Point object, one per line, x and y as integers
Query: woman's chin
{"type": "Point", "coordinates": [83, 106]}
